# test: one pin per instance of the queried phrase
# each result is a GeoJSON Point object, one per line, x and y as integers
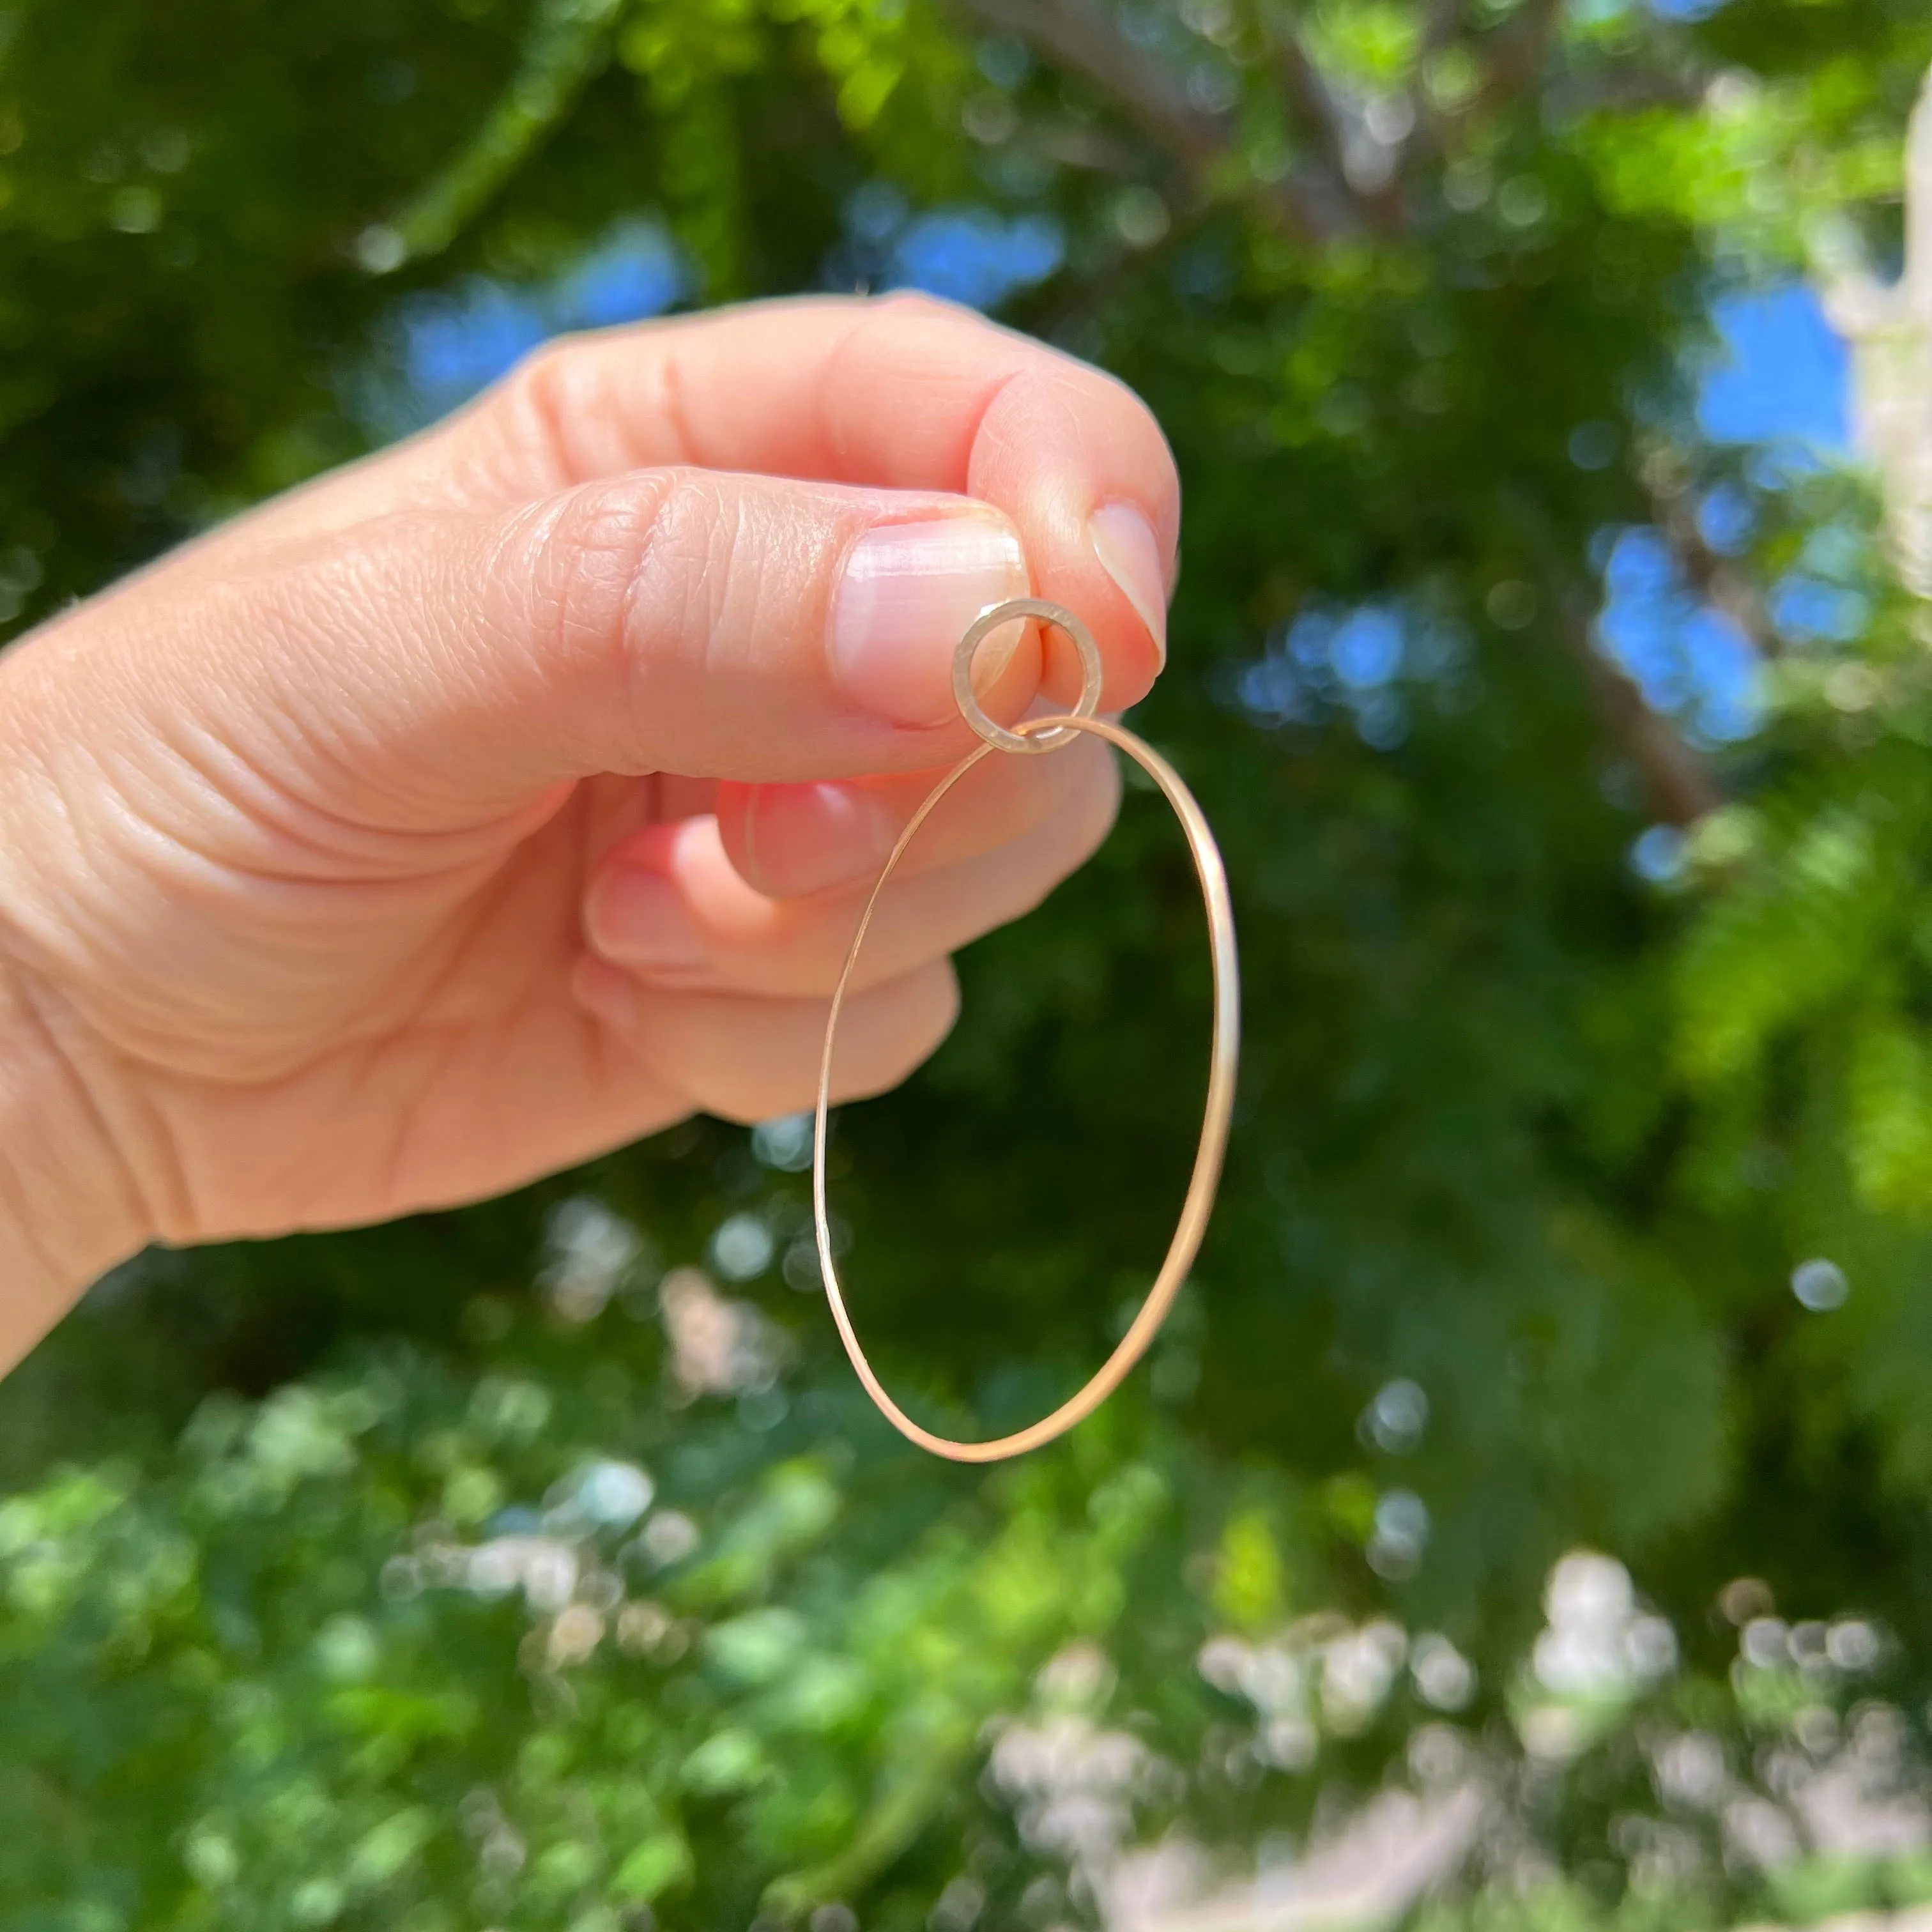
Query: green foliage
{"type": "Point", "coordinates": [1528, 1152]}
{"type": "Point", "coordinates": [397, 1643]}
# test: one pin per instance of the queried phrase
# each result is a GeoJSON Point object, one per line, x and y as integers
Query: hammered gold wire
{"type": "Point", "coordinates": [1225, 1052]}
{"type": "Point", "coordinates": [1044, 737]}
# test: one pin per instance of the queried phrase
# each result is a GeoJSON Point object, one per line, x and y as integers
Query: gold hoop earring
{"type": "Point", "coordinates": [1035, 737]}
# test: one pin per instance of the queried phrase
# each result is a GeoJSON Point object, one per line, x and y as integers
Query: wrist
{"type": "Point", "coordinates": [69, 1211]}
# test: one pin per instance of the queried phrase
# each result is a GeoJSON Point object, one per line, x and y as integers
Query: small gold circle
{"type": "Point", "coordinates": [1028, 743]}
{"type": "Point", "coordinates": [1216, 1114]}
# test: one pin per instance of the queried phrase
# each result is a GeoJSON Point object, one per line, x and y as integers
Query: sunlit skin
{"type": "Point", "coordinates": [512, 794]}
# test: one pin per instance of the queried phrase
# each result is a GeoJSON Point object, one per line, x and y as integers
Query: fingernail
{"type": "Point", "coordinates": [606, 993]}
{"type": "Point", "coordinates": [1123, 540]}
{"type": "Point", "coordinates": [909, 592]}
{"type": "Point", "coordinates": [802, 838]}
{"type": "Point", "coordinates": [639, 918]}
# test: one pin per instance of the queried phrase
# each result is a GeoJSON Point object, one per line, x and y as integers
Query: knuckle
{"type": "Point", "coordinates": [887, 1033]}
{"type": "Point", "coordinates": [745, 1095]}
{"type": "Point", "coordinates": [531, 409]}
{"type": "Point", "coordinates": [1077, 829]}
{"type": "Point", "coordinates": [697, 561]}
{"type": "Point", "coordinates": [1021, 797]}
{"type": "Point", "coordinates": [1095, 804]}
{"type": "Point", "coordinates": [617, 572]}
{"type": "Point", "coordinates": [1040, 790]}
{"type": "Point", "coordinates": [917, 305]}
{"type": "Point", "coordinates": [743, 1059]}
{"type": "Point", "coordinates": [738, 1109]}
{"type": "Point", "coordinates": [891, 326]}
{"type": "Point", "coordinates": [936, 991]}
{"type": "Point", "coordinates": [577, 554]}
{"type": "Point", "coordinates": [908, 1018]}
{"type": "Point", "coordinates": [1136, 410]}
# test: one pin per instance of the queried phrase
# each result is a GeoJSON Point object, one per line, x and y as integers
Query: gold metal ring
{"type": "Point", "coordinates": [1028, 743]}
{"type": "Point", "coordinates": [1216, 1114]}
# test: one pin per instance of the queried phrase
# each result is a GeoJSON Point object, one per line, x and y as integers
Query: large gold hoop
{"type": "Point", "coordinates": [1217, 1113]}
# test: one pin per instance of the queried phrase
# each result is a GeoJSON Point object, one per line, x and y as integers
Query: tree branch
{"type": "Point", "coordinates": [1713, 577]}
{"type": "Point", "coordinates": [1077, 36]}
{"type": "Point", "coordinates": [1441, 23]}
{"type": "Point", "coordinates": [1517, 53]}
{"type": "Point", "coordinates": [1340, 127]}
{"type": "Point", "coordinates": [567, 43]}
{"type": "Point", "coordinates": [1511, 58]}
{"type": "Point", "coordinates": [1679, 785]}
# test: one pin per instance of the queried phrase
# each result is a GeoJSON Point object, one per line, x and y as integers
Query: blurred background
{"type": "Point", "coordinates": [1526, 1518]}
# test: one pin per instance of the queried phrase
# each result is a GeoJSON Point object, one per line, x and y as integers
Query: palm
{"type": "Point", "coordinates": [468, 1066]}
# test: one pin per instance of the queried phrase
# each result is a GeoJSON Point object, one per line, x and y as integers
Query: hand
{"type": "Point", "coordinates": [512, 794]}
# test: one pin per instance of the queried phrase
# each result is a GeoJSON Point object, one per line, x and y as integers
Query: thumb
{"type": "Point", "coordinates": [713, 624]}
